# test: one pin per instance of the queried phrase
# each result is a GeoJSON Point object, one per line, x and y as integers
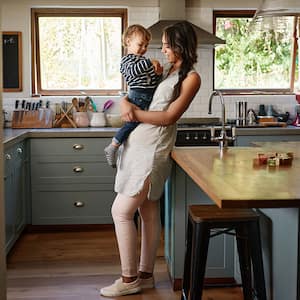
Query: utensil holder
{"type": "Point", "coordinates": [81, 119]}
{"type": "Point", "coordinates": [64, 116]}
{"type": "Point", "coordinates": [97, 119]}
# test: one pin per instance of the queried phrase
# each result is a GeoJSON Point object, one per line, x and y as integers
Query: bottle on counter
{"type": "Point", "coordinates": [262, 110]}
{"type": "Point", "coordinates": [269, 110]}
{"type": "Point", "coordinates": [251, 117]}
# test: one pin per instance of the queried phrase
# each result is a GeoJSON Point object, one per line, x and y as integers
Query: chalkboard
{"type": "Point", "coordinates": [12, 61]}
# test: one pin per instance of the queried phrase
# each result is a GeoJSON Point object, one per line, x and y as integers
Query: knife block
{"type": "Point", "coordinates": [41, 118]}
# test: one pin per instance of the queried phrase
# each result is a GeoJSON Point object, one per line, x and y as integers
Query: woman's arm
{"type": "Point", "coordinates": [189, 88]}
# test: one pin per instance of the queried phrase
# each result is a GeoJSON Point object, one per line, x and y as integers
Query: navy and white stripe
{"type": "Point", "coordinates": [138, 71]}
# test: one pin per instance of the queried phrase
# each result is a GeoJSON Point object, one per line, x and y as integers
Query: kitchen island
{"type": "Point", "coordinates": [202, 175]}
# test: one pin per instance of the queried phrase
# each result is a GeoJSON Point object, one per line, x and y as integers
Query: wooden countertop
{"type": "Point", "coordinates": [231, 180]}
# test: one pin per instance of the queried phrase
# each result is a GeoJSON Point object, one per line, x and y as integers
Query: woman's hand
{"type": "Point", "coordinates": [127, 110]}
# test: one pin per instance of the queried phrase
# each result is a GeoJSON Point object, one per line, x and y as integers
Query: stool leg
{"type": "Point", "coordinates": [199, 257]}
{"type": "Point", "coordinates": [245, 260]}
{"type": "Point", "coordinates": [257, 260]}
{"type": "Point", "coordinates": [187, 262]}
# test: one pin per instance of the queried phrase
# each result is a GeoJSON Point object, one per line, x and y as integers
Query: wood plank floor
{"type": "Point", "coordinates": [69, 265]}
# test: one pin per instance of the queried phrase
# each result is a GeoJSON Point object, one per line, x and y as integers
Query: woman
{"type": "Point", "coordinates": [145, 161]}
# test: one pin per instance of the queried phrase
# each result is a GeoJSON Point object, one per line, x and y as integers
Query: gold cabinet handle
{"type": "Point", "coordinates": [79, 204]}
{"type": "Point", "coordinates": [78, 169]}
{"type": "Point", "coordinates": [19, 150]}
{"type": "Point", "coordinates": [78, 146]}
{"type": "Point", "coordinates": [8, 156]}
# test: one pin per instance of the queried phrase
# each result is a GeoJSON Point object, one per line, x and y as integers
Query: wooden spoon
{"type": "Point", "coordinates": [86, 103]}
{"type": "Point", "coordinates": [75, 103]}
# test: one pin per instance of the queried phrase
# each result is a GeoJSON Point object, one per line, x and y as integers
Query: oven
{"type": "Point", "coordinates": [197, 132]}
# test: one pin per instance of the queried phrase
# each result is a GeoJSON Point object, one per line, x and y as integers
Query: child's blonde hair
{"type": "Point", "coordinates": [136, 29]}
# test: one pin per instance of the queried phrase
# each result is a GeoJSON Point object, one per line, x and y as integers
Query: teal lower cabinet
{"type": "Point", "coordinates": [71, 182]}
{"type": "Point", "coordinates": [280, 238]}
{"type": "Point", "coordinates": [180, 192]}
{"type": "Point", "coordinates": [15, 191]}
{"type": "Point", "coordinates": [280, 243]}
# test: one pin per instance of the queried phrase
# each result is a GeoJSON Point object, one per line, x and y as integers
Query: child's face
{"type": "Point", "coordinates": [137, 45]}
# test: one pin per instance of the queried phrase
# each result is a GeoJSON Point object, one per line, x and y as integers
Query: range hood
{"type": "Point", "coordinates": [274, 8]}
{"type": "Point", "coordinates": [275, 14]}
{"type": "Point", "coordinates": [171, 12]}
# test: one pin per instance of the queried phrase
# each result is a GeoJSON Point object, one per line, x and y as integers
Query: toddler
{"type": "Point", "coordinates": [142, 76]}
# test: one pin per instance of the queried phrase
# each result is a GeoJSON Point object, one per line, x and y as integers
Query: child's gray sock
{"type": "Point", "coordinates": [111, 155]}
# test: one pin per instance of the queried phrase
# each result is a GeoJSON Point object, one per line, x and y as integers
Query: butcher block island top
{"type": "Point", "coordinates": [234, 180]}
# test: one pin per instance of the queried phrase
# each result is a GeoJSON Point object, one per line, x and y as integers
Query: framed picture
{"type": "Point", "coordinates": [12, 61]}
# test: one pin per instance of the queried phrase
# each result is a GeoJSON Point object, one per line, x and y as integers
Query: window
{"type": "Point", "coordinates": [252, 59]}
{"type": "Point", "coordinates": [77, 51]}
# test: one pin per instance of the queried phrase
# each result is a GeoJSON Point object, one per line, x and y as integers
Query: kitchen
{"type": "Point", "coordinates": [16, 17]}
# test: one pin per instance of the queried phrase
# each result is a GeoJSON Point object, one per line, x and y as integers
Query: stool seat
{"type": "Point", "coordinates": [212, 213]}
{"type": "Point", "coordinates": [245, 223]}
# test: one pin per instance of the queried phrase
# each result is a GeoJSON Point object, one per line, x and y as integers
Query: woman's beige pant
{"type": "Point", "coordinates": [123, 211]}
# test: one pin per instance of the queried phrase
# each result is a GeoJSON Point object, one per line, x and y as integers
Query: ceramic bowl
{"type": "Point", "coordinates": [114, 120]}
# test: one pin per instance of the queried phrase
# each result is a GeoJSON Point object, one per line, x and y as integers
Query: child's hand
{"type": "Point", "coordinates": [157, 67]}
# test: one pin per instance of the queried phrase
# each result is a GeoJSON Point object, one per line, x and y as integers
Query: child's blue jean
{"type": "Point", "coordinates": [142, 99]}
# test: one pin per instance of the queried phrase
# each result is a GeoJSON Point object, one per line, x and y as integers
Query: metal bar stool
{"type": "Point", "coordinates": [245, 223]}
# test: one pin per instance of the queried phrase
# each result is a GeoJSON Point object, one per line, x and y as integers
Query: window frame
{"type": "Point", "coordinates": [247, 14]}
{"type": "Point", "coordinates": [61, 12]}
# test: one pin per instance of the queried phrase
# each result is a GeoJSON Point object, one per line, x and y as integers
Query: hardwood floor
{"type": "Point", "coordinates": [74, 265]}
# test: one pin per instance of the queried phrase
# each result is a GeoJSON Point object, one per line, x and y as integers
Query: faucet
{"type": "Point", "coordinates": [223, 138]}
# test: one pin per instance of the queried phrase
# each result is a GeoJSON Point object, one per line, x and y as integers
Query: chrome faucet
{"type": "Point", "coordinates": [223, 138]}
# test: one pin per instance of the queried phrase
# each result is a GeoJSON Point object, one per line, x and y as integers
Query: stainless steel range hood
{"type": "Point", "coordinates": [171, 12]}
{"type": "Point", "coordinates": [274, 8]}
{"type": "Point", "coordinates": [274, 14]}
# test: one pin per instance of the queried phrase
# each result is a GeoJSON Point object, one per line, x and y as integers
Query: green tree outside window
{"type": "Point", "coordinates": [253, 59]}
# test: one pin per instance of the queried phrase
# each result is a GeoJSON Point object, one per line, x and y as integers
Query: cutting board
{"type": "Point", "coordinates": [273, 124]}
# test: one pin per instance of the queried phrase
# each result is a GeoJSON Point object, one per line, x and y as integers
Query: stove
{"type": "Point", "coordinates": [196, 132]}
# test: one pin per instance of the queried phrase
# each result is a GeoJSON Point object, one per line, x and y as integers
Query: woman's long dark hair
{"type": "Point", "coordinates": [182, 39]}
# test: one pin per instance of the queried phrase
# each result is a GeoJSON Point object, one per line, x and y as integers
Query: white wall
{"type": "Point", "coordinates": [16, 17]}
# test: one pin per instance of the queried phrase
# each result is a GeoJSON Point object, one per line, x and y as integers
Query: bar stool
{"type": "Point", "coordinates": [245, 223]}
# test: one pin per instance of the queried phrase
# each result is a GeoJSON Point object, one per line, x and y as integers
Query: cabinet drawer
{"type": "Point", "coordinates": [69, 207]}
{"type": "Point", "coordinates": [68, 146]}
{"type": "Point", "coordinates": [43, 172]}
